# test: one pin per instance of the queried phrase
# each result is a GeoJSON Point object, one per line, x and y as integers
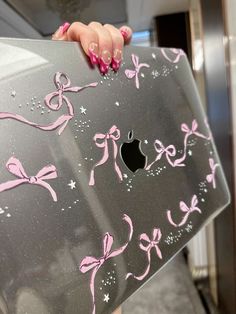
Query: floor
{"type": "Point", "coordinates": [171, 291]}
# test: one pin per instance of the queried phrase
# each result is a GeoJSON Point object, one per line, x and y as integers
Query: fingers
{"type": "Point", "coordinates": [117, 46]}
{"type": "Point", "coordinates": [127, 33]}
{"type": "Point", "coordinates": [103, 44]}
{"type": "Point", "coordinates": [88, 39]}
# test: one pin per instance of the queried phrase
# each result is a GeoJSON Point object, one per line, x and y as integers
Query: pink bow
{"type": "Point", "coordinates": [92, 263]}
{"type": "Point", "coordinates": [169, 151]}
{"type": "Point", "coordinates": [189, 131]}
{"type": "Point", "coordinates": [15, 167]}
{"type": "Point", "coordinates": [134, 73]}
{"type": "Point", "coordinates": [113, 134]}
{"type": "Point", "coordinates": [211, 177]}
{"type": "Point", "coordinates": [63, 120]}
{"type": "Point", "coordinates": [156, 237]}
{"type": "Point", "coordinates": [177, 52]}
{"type": "Point", "coordinates": [188, 210]}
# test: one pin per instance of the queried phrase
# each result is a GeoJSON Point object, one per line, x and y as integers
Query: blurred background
{"type": "Point", "coordinates": [202, 279]}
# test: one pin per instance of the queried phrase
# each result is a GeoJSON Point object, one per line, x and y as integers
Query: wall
{"type": "Point", "coordinates": [12, 25]}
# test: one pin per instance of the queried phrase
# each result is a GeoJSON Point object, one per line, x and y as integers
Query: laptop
{"type": "Point", "coordinates": [103, 179]}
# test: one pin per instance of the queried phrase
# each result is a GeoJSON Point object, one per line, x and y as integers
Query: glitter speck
{"type": "Point", "coordinates": [13, 93]}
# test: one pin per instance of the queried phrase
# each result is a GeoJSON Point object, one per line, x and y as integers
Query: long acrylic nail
{"type": "Point", "coordinates": [61, 30]}
{"type": "Point", "coordinates": [65, 27]}
{"type": "Point", "coordinates": [93, 53]}
{"type": "Point", "coordinates": [117, 58]}
{"type": "Point", "coordinates": [105, 61]}
{"type": "Point", "coordinates": [124, 33]}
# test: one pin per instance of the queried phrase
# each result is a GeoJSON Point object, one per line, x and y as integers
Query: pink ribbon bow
{"type": "Point", "coordinates": [113, 135]}
{"type": "Point", "coordinates": [90, 263]}
{"type": "Point", "coordinates": [134, 73]}
{"type": "Point", "coordinates": [15, 167]}
{"type": "Point", "coordinates": [184, 208]}
{"type": "Point", "coordinates": [169, 151]}
{"type": "Point", "coordinates": [189, 131]}
{"type": "Point", "coordinates": [177, 52]}
{"type": "Point", "coordinates": [211, 177]}
{"type": "Point", "coordinates": [62, 121]}
{"type": "Point", "coordinates": [150, 244]}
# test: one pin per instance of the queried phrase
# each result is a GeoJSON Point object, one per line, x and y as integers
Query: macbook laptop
{"type": "Point", "coordinates": [103, 179]}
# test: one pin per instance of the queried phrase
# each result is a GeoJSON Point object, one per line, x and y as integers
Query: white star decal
{"type": "Point", "coordinates": [145, 141]}
{"type": "Point", "coordinates": [125, 176]}
{"type": "Point", "coordinates": [190, 153]}
{"type": "Point", "coordinates": [72, 184]}
{"type": "Point", "coordinates": [106, 298]}
{"type": "Point", "coordinates": [82, 110]}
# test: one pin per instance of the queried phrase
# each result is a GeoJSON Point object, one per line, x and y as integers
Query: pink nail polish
{"type": "Point", "coordinates": [105, 61]}
{"type": "Point", "coordinates": [124, 33]}
{"type": "Point", "coordinates": [115, 65]}
{"type": "Point", "coordinates": [93, 53]}
{"type": "Point", "coordinates": [116, 60]}
{"type": "Point", "coordinates": [103, 67]}
{"type": "Point", "coordinates": [65, 27]}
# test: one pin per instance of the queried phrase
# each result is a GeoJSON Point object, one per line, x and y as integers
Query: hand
{"type": "Point", "coordinates": [102, 43]}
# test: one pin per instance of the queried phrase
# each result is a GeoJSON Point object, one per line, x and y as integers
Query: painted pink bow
{"type": "Point", "coordinates": [113, 134]}
{"type": "Point", "coordinates": [147, 247]}
{"type": "Point", "coordinates": [63, 84]}
{"type": "Point", "coordinates": [189, 131]}
{"type": "Point", "coordinates": [185, 209]}
{"type": "Point", "coordinates": [211, 177]}
{"type": "Point", "coordinates": [15, 167]}
{"type": "Point", "coordinates": [134, 73]}
{"type": "Point", "coordinates": [169, 151]}
{"type": "Point", "coordinates": [90, 263]}
{"type": "Point", "coordinates": [178, 53]}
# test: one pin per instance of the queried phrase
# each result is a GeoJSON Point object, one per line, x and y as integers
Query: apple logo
{"type": "Point", "coordinates": [132, 155]}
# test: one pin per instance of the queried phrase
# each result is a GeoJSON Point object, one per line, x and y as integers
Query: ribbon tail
{"type": "Point", "coordinates": [141, 277]}
{"type": "Point", "coordinates": [92, 180]}
{"type": "Point", "coordinates": [61, 121]}
{"type": "Point", "coordinates": [12, 184]}
{"type": "Point", "coordinates": [214, 183]}
{"type": "Point", "coordinates": [184, 220]}
{"type": "Point", "coordinates": [165, 55]}
{"type": "Point", "coordinates": [137, 81]}
{"type": "Point", "coordinates": [116, 252]}
{"type": "Point", "coordinates": [48, 187]}
{"type": "Point", "coordinates": [178, 162]}
{"type": "Point", "coordinates": [102, 161]}
{"type": "Point", "coordinates": [170, 161]}
{"type": "Point", "coordinates": [152, 163]}
{"type": "Point", "coordinates": [177, 59]}
{"type": "Point", "coordinates": [79, 88]}
{"type": "Point", "coordinates": [92, 283]}
{"type": "Point", "coordinates": [170, 219]}
{"type": "Point", "coordinates": [17, 117]}
{"type": "Point", "coordinates": [200, 135]}
{"type": "Point", "coordinates": [117, 168]}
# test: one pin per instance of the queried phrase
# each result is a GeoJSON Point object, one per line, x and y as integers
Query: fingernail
{"type": "Point", "coordinates": [105, 61]}
{"type": "Point", "coordinates": [117, 58]}
{"type": "Point", "coordinates": [61, 30]}
{"type": "Point", "coordinates": [65, 27]}
{"type": "Point", "coordinates": [93, 53]}
{"type": "Point", "coordinates": [124, 33]}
